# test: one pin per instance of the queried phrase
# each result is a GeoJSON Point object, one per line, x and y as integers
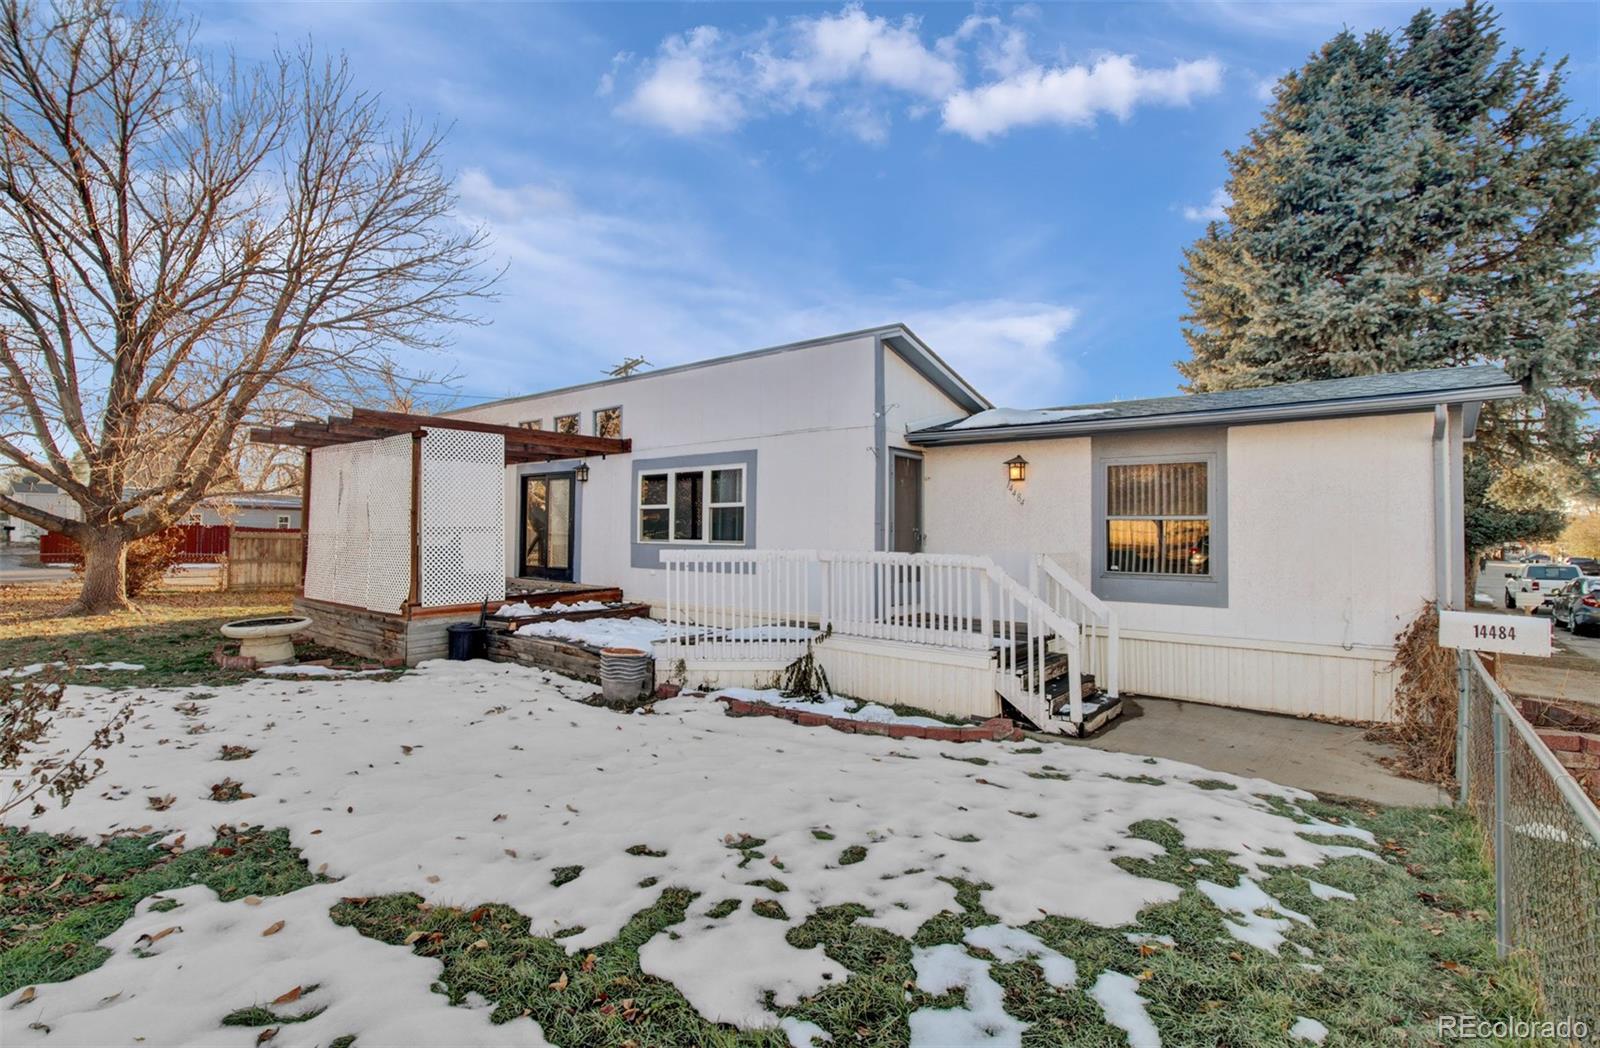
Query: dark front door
{"type": "Point", "coordinates": [547, 526]}
{"type": "Point", "coordinates": [907, 504]}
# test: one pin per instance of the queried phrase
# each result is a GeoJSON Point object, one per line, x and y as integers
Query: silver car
{"type": "Point", "coordinates": [1530, 586]}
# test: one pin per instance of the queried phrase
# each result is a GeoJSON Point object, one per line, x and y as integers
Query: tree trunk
{"type": "Point", "coordinates": [105, 575]}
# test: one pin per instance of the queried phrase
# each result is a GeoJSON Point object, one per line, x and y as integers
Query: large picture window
{"type": "Point", "coordinates": [1158, 519]}
{"type": "Point", "coordinates": [692, 505]}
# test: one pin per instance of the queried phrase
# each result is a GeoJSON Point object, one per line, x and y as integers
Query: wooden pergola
{"type": "Point", "coordinates": [522, 445]}
{"type": "Point", "coordinates": [365, 424]}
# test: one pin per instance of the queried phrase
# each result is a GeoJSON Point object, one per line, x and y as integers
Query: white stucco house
{"type": "Point", "coordinates": [1257, 548]}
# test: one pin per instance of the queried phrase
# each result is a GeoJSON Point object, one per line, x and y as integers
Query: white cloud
{"type": "Point", "coordinates": [1009, 350]}
{"type": "Point", "coordinates": [1076, 94]}
{"type": "Point", "coordinates": [687, 91]}
{"type": "Point", "coordinates": [1213, 210]}
{"type": "Point", "coordinates": [857, 67]}
{"type": "Point", "coordinates": [579, 277]}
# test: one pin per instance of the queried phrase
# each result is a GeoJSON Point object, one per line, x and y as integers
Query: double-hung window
{"type": "Point", "coordinates": [1158, 519]}
{"type": "Point", "coordinates": [692, 505]}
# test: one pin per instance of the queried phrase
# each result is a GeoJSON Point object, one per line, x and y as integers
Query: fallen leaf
{"type": "Point", "coordinates": [511, 852]}
{"type": "Point", "coordinates": [266, 1035]}
{"type": "Point", "coordinates": [561, 983]}
{"type": "Point", "coordinates": [499, 818]}
{"type": "Point", "coordinates": [161, 803]}
{"type": "Point", "coordinates": [433, 878]}
{"type": "Point", "coordinates": [588, 963]}
{"type": "Point", "coordinates": [158, 936]}
{"type": "Point", "coordinates": [56, 883]}
{"type": "Point", "coordinates": [26, 995]}
{"type": "Point", "coordinates": [1146, 949]}
{"type": "Point", "coordinates": [481, 944]}
{"type": "Point", "coordinates": [413, 937]}
{"type": "Point", "coordinates": [1145, 975]}
{"type": "Point", "coordinates": [290, 997]}
{"type": "Point", "coordinates": [273, 929]}
{"type": "Point", "coordinates": [252, 900]}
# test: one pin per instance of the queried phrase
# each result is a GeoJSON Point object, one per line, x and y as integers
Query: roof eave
{"type": "Point", "coordinates": [1355, 406]}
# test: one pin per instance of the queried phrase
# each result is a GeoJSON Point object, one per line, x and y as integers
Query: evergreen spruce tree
{"type": "Point", "coordinates": [1414, 200]}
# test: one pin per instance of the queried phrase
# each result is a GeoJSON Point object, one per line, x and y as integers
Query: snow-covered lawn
{"type": "Point", "coordinates": [471, 783]}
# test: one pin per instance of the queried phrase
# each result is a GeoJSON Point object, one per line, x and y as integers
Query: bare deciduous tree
{"type": "Point", "coordinates": [188, 248]}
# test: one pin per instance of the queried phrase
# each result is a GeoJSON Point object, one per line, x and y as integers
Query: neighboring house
{"type": "Point", "coordinates": [242, 511]}
{"type": "Point", "coordinates": [1261, 548]}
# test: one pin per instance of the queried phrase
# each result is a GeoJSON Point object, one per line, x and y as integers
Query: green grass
{"type": "Point", "coordinates": [172, 635]}
{"type": "Point", "coordinates": [1417, 944]}
{"type": "Point", "coordinates": [852, 855]}
{"type": "Point", "coordinates": [62, 896]}
{"type": "Point", "coordinates": [560, 875]}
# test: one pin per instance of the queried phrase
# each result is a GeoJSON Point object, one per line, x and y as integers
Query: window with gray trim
{"type": "Point", "coordinates": [697, 505]}
{"type": "Point", "coordinates": [567, 424]}
{"type": "Point", "coordinates": [1158, 518]}
{"type": "Point", "coordinates": [608, 422]}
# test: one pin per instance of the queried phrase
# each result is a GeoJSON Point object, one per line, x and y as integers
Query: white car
{"type": "Point", "coordinates": [1529, 587]}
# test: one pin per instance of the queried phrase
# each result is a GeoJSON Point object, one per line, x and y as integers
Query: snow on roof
{"type": "Point", "coordinates": [1022, 417]}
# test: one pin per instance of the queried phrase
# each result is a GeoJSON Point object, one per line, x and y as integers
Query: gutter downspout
{"type": "Point", "coordinates": [1441, 506]}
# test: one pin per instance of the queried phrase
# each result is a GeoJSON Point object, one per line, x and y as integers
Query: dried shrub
{"type": "Point", "coordinates": [1425, 702]}
{"type": "Point", "coordinates": [804, 677]}
{"type": "Point", "coordinates": [149, 559]}
{"type": "Point", "coordinates": [28, 709]}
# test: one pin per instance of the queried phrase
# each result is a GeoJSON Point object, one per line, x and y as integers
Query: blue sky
{"type": "Point", "coordinates": [1016, 182]}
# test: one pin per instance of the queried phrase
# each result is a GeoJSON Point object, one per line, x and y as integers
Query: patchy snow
{"type": "Point", "coordinates": [1014, 944]}
{"type": "Point", "coordinates": [1305, 1029]}
{"type": "Point", "coordinates": [751, 955]}
{"type": "Point", "coordinates": [40, 667]}
{"type": "Point", "coordinates": [290, 669]}
{"type": "Point", "coordinates": [832, 706]}
{"type": "Point", "coordinates": [521, 608]}
{"type": "Point", "coordinates": [176, 990]}
{"type": "Point", "coordinates": [1118, 996]}
{"type": "Point", "coordinates": [1240, 904]}
{"type": "Point", "coordinates": [1023, 417]}
{"type": "Point", "coordinates": [1326, 892]}
{"type": "Point", "coordinates": [467, 782]}
{"type": "Point", "coordinates": [1147, 938]}
{"type": "Point", "coordinates": [601, 633]}
{"type": "Point", "coordinates": [803, 1034]}
{"type": "Point", "coordinates": [983, 1021]}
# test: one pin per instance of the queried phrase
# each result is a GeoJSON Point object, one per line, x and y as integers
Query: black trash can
{"type": "Point", "coordinates": [468, 640]}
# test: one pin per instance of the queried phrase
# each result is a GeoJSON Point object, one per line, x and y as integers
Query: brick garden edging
{"type": "Point", "coordinates": [1572, 737]}
{"type": "Point", "coordinates": [995, 729]}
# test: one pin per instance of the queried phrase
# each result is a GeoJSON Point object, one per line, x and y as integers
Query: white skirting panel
{"type": "Point", "coordinates": [955, 682]}
{"type": "Point", "coordinates": [1300, 679]}
{"type": "Point", "coordinates": [706, 675]}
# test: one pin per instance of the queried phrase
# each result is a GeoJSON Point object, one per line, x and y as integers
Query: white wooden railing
{"type": "Point", "coordinates": [1100, 638]}
{"type": "Point", "coordinates": [730, 606]}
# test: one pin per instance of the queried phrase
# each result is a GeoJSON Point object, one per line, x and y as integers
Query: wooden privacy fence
{"type": "Point", "coordinates": [202, 544]}
{"type": "Point", "coordinates": [263, 560]}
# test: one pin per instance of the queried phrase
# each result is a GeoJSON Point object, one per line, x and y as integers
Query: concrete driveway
{"type": "Point", "coordinates": [20, 567]}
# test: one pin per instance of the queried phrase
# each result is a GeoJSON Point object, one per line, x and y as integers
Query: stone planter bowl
{"type": "Point", "coordinates": [267, 639]}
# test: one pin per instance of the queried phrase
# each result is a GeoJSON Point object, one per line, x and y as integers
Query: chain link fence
{"type": "Point", "coordinates": [1543, 836]}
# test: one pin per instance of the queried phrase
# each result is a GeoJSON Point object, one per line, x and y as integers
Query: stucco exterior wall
{"type": "Point", "coordinates": [1330, 527]}
{"type": "Point", "coordinates": [806, 413]}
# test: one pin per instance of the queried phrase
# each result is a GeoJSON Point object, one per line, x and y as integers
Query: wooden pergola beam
{"type": "Point", "coordinates": [575, 443]}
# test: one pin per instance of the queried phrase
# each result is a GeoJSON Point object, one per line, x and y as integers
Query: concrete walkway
{"type": "Point", "coordinates": [1327, 759]}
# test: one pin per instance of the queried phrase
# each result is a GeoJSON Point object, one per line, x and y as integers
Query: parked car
{"type": "Point", "coordinates": [1536, 558]}
{"type": "Point", "coordinates": [1587, 565]}
{"type": "Point", "coordinates": [1576, 606]}
{"type": "Point", "coordinates": [1530, 586]}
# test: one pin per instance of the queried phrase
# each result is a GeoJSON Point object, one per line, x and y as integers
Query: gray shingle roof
{"type": "Point", "coordinates": [1367, 394]}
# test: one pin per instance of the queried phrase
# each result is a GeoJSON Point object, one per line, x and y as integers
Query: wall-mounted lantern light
{"type": "Point", "coordinates": [1016, 469]}
{"type": "Point", "coordinates": [581, 472]}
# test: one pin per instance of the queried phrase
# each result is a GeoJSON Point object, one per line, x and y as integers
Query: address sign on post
{"type": "Point", "coordinates": [1486, 631]}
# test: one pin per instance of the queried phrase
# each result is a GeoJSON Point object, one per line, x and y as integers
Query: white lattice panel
{"type": "Point", "coordinates": [359, 531]}
{"type": "Point", "coordinates": [463, 517]}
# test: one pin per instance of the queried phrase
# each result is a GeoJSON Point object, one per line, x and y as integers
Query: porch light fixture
{"type": "Point", "coordinates": [1016, 469]}
{"type": "Point", "coordinates": [581, 473]}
